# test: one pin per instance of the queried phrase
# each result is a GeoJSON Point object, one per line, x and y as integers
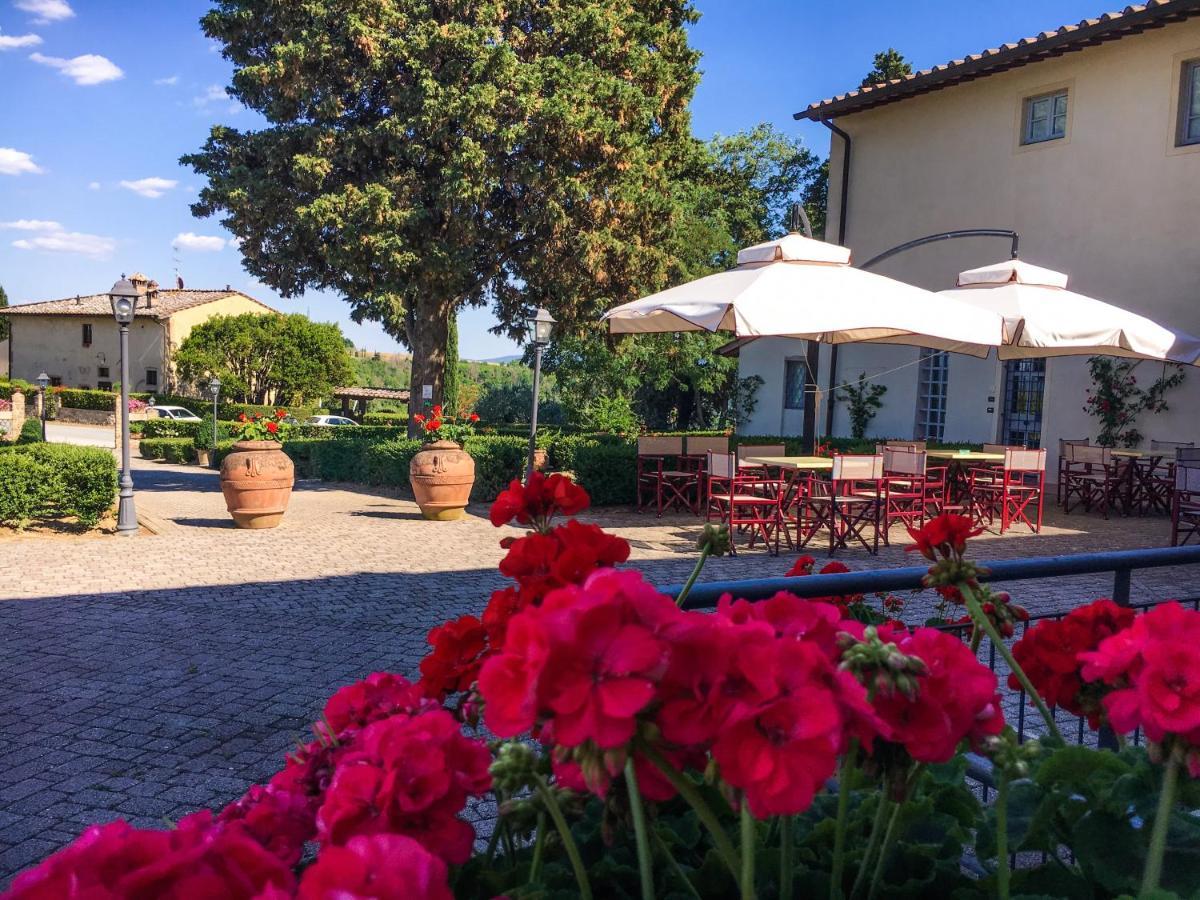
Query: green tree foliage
{"type": "Point", "coordinates": [737, 193]}
{"type": "Point", "coordinates": [5, 327]}
{"type": "Point", "coordinates": [888, 64]}
{"type": "Point", "coordinates": [283, 359]}
{"type": "Point", "coordinates": [420, 156]}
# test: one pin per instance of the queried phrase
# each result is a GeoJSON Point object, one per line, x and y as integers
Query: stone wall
{"type": "Point", "coordinates": [84, 416]}
{"type": "Point", "coordinates": [12, 420]}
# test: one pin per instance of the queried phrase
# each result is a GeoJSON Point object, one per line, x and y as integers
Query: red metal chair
{"type": "Point", "coordinates": [904, 488]}
{"type": "Point", "coordinates": [744, 503]}
{"type": "Point", "coordinates": [1185, 498]}
{"type": "Point", "coordinates": [1156, 473]}
{"type": "Point", "coordinates": [695, 459]}
{"type": "Point", "coordinates": [846, 505]}
{"type": "Point", "coordinates": [659, 476]}
{"type": "Point", "coordinates": [1014, 492]}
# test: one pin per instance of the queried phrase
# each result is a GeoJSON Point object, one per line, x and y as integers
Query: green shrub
{"type": "Point", "coordinates": [339, 460]}
{"type": "Point", "coordinates": [84, 399]}
{"type": "Point", "coordinates": [156, 428]}
{"type": "Point", "coordinates": [498, 460]}
{"type": "Point", "coordinates": [299, 450]}
{"type": "Point", "coordinates": [16, 384]}
{"type": "Point", "coordinates": [399, 420]}
{"type": "Point", "coordinates": [387, 462]}
{"type": "Point", "coordinates": [50, 481]}
{"type": "Point", "coordinates": [179, 450]}
{"type": "Point", "coordinates": [31, 432]}
{"type": "Point", "coordinates": [224, 448]}
{"type": "Point", "coordinates": [608, 472]}
{"type": "Point", "coordinates": [25, 486]}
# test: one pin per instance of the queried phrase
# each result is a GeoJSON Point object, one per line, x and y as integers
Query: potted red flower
{"type": "Point", "coordinates": [257, 477]}
{"type": "Point", "coordinates": [442, 473]}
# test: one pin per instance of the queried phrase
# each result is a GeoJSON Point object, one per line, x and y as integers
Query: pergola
{"type": "Point", "coordinates": [354, 399]}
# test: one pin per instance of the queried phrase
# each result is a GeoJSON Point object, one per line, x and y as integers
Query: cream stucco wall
{"type": "Point", "coordinates": [54, 344]}
{"type": "Point", "coordinates": [1114, 205]}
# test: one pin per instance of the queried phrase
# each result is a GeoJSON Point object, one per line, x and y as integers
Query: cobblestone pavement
{"type": "Point", "coordinates": [148, 677]}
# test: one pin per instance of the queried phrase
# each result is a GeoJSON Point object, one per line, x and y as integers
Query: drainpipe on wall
{"type": "Point", "coordinates": [842, 203]}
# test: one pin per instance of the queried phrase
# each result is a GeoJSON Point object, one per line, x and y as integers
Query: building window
{"type": "Point", "coordinates": [55, 381]}
{"type": "Point", "coordinates": [1189, 103]}
{"type": "Point", "coordinates": [104, 385]}
{"type": "Point", "coordinates": [152, 378]}
{"type": "Point", "coordinates": [102, 371]}
{"type": "Point", "coordinates": [793, 383]}
{"type": "Point", "coordinates": [87, 335]}
{"type": "Point", "coordinates": [933, 376]}
{"type": "Point", "coordinates": [1045, 118]}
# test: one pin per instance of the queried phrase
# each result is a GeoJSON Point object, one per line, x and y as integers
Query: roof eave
{"type": "Point", "coordinates": [1108, 27]}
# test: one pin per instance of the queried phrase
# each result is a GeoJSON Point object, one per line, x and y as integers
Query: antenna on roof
{"type": "Point", "coordinates": [175, 260]}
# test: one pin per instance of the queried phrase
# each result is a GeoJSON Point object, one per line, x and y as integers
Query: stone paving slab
{"type": "Point", "coordinates": [147, 677]}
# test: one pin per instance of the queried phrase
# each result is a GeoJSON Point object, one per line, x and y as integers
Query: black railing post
{"type": "Point", "coordinates": [1120, 594]}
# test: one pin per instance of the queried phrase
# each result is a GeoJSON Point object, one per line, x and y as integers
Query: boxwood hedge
{"type": "Point", "coordinates": [179, 450]}
{"type": "Point", "coordinates": [52, 481]}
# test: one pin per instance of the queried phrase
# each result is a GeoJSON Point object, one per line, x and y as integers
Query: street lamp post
{"type": "Point", "coordinates": [539, 326]}
{"type": "Point", "coordinates": [43, 382]}
{"type": "Point", "coordinates": [214, 388]}
{"type": "Point", "coordinates": [124, 298]}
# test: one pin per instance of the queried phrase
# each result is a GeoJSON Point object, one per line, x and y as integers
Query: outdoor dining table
{"type": "Point", "coordinates": [957, 480]}
{"type": "Point", "coordinates": [789, 467]}
{"type": "Point", "coordinates": [1139, 474]}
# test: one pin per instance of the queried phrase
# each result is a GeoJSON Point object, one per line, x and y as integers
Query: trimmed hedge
{"type": "Point", "coordinates": [178, 450]}
{"type": "Point", "coordinates": [31, 432]}
{"type": "Point", "coordinates": [608, 472]}
{"type": "Point", "coordinates": [79, 398]}
{"type": "Point", "coordinates": [498, 460]}
{"type": "Point", "coordinates": [202, 406]}
{"type": "Point", "coordinates": [8, 386]}
{"type": "Point", "coordinates": [52, 481]}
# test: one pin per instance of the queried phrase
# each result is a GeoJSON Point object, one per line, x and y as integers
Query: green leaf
{"type": "Point", "coordinates": [1109, 850]}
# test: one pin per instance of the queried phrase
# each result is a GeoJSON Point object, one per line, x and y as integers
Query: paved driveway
{"type": "Point", "coordinates": [147, 677]}
{"type": "Point", "coordinates": [87, 435]}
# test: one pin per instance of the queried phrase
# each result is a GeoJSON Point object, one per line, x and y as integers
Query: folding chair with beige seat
{"type": "Point", "coordinates": [1064, 463]}
{"type": "Point", "coordinates": [846, 505]}
{"type": "Point", "coordinates": [904, 490]}
{"type": "Point", "coordinates": [1094, 478]}
{"type": "Point", "coordinates": [743, 502]}
{"type": "Point", "coordinates": [1014, 492]}
{"type": "Point", "coordinates": [1185, 497]}
{"type": "Point", "coordinates": [659, 478]}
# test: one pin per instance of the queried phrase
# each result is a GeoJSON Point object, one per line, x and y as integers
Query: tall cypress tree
{"type": "Point", "coordinates": [450, 392]}
{"type": "Point", "coordinates": [419, 156]}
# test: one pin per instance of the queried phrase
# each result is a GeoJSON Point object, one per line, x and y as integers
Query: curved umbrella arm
{"type": "Point", "coordinates": [945, 236]}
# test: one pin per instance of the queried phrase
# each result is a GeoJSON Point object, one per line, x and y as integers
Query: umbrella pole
{"type": "Point", "coordinates": [817, 392]}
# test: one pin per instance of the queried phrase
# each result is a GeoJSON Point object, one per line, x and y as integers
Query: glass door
{"type": "Point", "coordinates": [1024, 390]}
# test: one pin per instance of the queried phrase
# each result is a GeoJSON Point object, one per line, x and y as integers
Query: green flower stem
{"type": "Point", "coordinates": [1002, 869]}
{"type": "Point", "coordinates": [982, 621]}
{"type": "Point", "coordinates": [687, 790]}
{"type": "Point", "coordinates": [645, 866]}
{"type": "Point", "coordinates": [839, 835]}
{"type": "Point", "coordinates": [787, 863]}
{"type": "Point", "coordinates": [674, 864]}
{"type": "Point", "coordinates": [1162, 822]}
{"type": "Point", "coordinates": [976, 639]}
{"type": "Point", "coordinates": [873, 840]}
{"type": "Point", "coordinates": [884, 847]}
{"type": "Point", "coordinates": [539, 848]}
{"type": "Point", "coordinates": [564, 833]}
{"type": "Point", "coordinates": [748, 848]}
{"type": "Point", "coordinates": [687, 587]}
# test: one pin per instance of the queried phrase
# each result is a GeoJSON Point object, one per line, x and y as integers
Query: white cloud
{"type": "Point", "coordinates": [16, 41]}
{"type": "Point", "coordinates": [84, 70]}
{"type": "Point", "coordinates": [93, 185]}
{"type": "Point", "coordinates": [17, 162]}
{"type": "Point", "coordinates": [32, 225]}
{"type": "Point", "coordinates": [169, 81]}
{"type": "Point", "coordinates": [150, 187]}
{"type": "Point", "coordinates": [46, 10]}
{"type": "Point", "coordinates": [202, 242]}
{"type": "Point", "coordinates": [215, 94]}
{"type": "Point", "coordinates": [74, 242]}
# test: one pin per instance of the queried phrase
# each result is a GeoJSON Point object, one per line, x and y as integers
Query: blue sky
{"type": "Point", "coordinates": [100, 98]}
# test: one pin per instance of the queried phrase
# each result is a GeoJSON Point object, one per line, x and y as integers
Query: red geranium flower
{"type": "Point", "coordinates": [376, 697]}
{"type": "Point", "coordinates": [241, 417]}
{"type": "Point", "coordinates": [802, 566]}
{"type": "Point", "coordinates": [280, 819]}
{"type": "Point", "coordinates": [473, 417]}
{"type": "Point", "coordinates": [947, 533]}
{"type": "Point", "coordinates": [407, 775]}
{"type": "Point", "coordinates": [418, 417]}
{"type": "Point", "coordinates": [539, 500]}
{"type": "Point", "coordinates": [437, 411]}
{"type": "Point", "coordinates": [273, 427]}
{"type": "Point", "coordinates": [280, 413]}
{"type": "Point", "coordinates": [376, 867]}
{"type": "Point", "coordinates": [459, 648]}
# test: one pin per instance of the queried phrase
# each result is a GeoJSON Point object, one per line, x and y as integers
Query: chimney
{"type": "Point", "coordinates": [78, 302]}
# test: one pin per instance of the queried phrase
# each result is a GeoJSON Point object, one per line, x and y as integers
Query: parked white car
{"type": "Point", "coordinates": [329, 420]}
{"type": "Point", "coordinates": [179, 413]}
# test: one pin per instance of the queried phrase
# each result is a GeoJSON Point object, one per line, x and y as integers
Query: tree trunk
{"type": "Point", "coordinates": [427, 326]}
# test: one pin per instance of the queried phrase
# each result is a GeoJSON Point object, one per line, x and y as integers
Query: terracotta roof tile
{"type": "Point", "coordinates": [1107, 27]}
{"type": "Point", "coordinates": [165, 303]}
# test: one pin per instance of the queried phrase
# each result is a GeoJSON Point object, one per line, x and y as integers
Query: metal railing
{"type": "Point", "coordinates": [1121, 563]}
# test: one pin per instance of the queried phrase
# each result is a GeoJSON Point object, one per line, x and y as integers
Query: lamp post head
{"type": "Point", "coordinates": [150, 402]}
{"type": "Point", "coordinates": [540, 325]}
{"type": "Point", "coordinates": [124, 299]}
{"type": "Point", "coordinates": [43, 381]}
{"type": "Point", "coordinates": [214, 386]}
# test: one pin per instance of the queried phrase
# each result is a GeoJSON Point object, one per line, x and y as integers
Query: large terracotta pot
{"type": "Point", "coordinates": [257, 479]}
{"type": "Point", "coordinates": [441, 476]}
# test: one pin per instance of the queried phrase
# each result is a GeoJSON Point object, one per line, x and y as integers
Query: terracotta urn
{"type": "Point", "coordinates": [441, 475]}
{"type": "Point", "coordinates": [257, 479]}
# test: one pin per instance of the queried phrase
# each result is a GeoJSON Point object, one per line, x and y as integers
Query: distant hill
{"type": "Point", "coordinates": [501, 360]}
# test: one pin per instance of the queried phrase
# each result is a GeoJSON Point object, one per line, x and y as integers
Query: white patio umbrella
{"type": "Point", "coordinates": [802, 288]}
{"type": "Point", "coordinates": [1043, 318]}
